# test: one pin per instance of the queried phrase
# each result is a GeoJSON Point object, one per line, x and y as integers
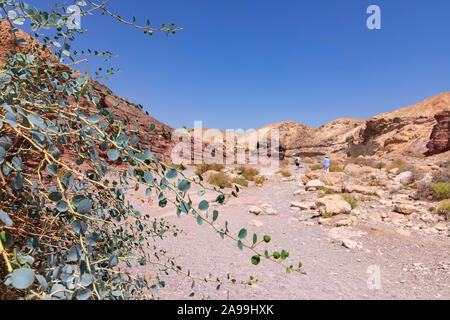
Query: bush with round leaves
{"type": "Point", "coordinates": [67, 228]}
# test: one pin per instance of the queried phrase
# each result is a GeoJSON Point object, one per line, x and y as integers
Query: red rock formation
{"type": "Point", "coordinates": [440, 136]}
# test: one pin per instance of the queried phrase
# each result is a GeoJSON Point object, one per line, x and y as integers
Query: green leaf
{"type": "Point", "coordinates": [199, 220]}
{"type": "Point", "coordinates": [276, 255]}
{"type": "Point", "coordinates": [172, 174]}
{"type": "Point", "coordinates": [256, 260]}
{"type": "Point", "coordinates": [62, 206]}
{"type": "Point", "coordinates": [6, 239]}
{"type": "Point", "coordinates": [22, 278]}
{"type": "Point", "coordinates": [255, 239]}
{"type": "Point", "coordinates": [215, 215]}
{"type": "Point", "coordinates": [240, 246]}
{"type": "Point", "coordinates": [113, 261]}
{"type": "Point", "coordinates": [74, 254]}
{"type": "Point", "coordinates": [4, 217]}
{"type": "Point", "coordinates": [204, 205]}
{"type": "Point", "coordinates": [113, 154]}
{"type": "Point", "coordinates": [84, 207]}
{"type": "Point", "coordinates": [83, 294]}
{"type": "Point", "coordinates": [148, 177]}
{"type": "Point", "coordinates": [267, 239]}
{"type": "Point", "coordinates": [17, 163]}
{"type": "Point", "coordinates": [184, 185]}
{"type": "Point", "coordinates": [55, 196]}
{"type": "Point", "coordinates": [243, 234]}
{"type": "Point", "coordinates": [94, 118]}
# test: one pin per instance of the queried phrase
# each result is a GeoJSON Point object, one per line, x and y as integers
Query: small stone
{"type": "Point", "coordinates": [441, 227]}
{"type": "Point", "coordinates": [256, 223]}
{"type": "Point", "coordinates": [349, 244]}
{"type": "Point", "coordinates": [271, 212]}
{"type": "Point", "coordinates": [255, 210]}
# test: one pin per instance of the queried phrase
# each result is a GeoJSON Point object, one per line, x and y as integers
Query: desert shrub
{"type": "Point", "coordinates": [376, 182]}
{"type": "Point", "coordinates": [417, 174]}
{"type": "Point", "coordinates": [316, 167]}
{"type": "Point", "coordinates": [285, 173]}
{"type": "Point", "coordinates": [445, 164]}
{"type": "Point", "coordinates": [351, 200]}
{"type": "Point", "coordinates": [259, 181]}
{"type": "Point", "coordinates": [440, 176]}
{"type": "Point", "coordinates": [423, 191]}
{"type": "Point", "coordinates": [364, 198]}
{"type": "Point", "coordinates": [396, 164]}
{"type": "Point", "coordinates": [202, 168]}
{"type": "Point", "coordinates": [335, 168]}
{"type": "Point", "coordinates": [68, 229]}
{"type": "Point", "coordinates": [248, 173]}
{"type": "Point", "coordinates": [444, 209]}
{"type": "Point", "coordinates": [327, 191]}
{"type": "Point", "coordinates": [220, 180]}
{"type": "Point", "coordinates": [327, 215]}
{"type": "Point", "coordinates": [240, 181]}
{"type": "Point", "coordinates": [441, 190]}
{"type": "Point", "coordinates": [367, 163]}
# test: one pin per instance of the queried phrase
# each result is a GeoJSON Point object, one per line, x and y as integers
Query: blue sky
{"type": "Point", "coordinates": [249, 63]}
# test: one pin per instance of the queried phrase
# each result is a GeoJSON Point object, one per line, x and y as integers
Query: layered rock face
{"type": "Point", "coordinates": [440, 137]}
{"type": "Point", "coordinates": [403, 132]}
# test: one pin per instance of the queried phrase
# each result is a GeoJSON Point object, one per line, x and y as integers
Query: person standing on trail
{"type": "Point", "coordinates": [297, 162]}
{"type": "Point", "coordinates": [326, 165]}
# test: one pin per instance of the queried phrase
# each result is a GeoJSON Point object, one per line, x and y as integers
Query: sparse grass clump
{"type": "Point", "coordinates": [441, 190]}
{"type": "Point", "coordinates": [368, 163]}
{"type": "Point", "coordinates": [351, 200]}
{"type": "Point", "coordinates": [326, 191]}
{"type": "Point", "coordinates": [285, 173]}
{"type": "Point", "coordinates": [396, 164]}
{"type": "Point", "coordinates": [259, 181]}
{"type": "Point", "coordinates": [335, 168]}
{"type": "Point", "coordinates": [202, 168]}
{"type": "Point", "coordinates": [248, 173]}
{"type": "Point", "coordinates": [327, 215]}
{"type": "Point", "coordinates": [444, 208]}
{"type": "Point", "coordinates": [220, 180]}
{"type": "Point", "coordinates": [240, 181]}
{"type": "Point", "coordinates": [441, 176]}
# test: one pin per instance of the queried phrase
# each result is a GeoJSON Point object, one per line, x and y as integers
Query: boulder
{"type": "Point", "coordinates": [334, 204]}
{"type": "Point", "coordinates": [303, 205]}
{"type": "Point", "coordinates": [314, 184]}
{"type": "Point", "coordinates": [404, 178]}
{"type": "Point", "coordinates": [350, 188]}
{"type": "Point", "coordinates": [271, 212]}
{"type": "Point", "coordinates": [349, 244]}
{"type": "Point", "coordinates": [357, 171]}
{"type": "Point", "coordinates": [255, 210]}
{"type": "Point", "coordinates": [405, 209]}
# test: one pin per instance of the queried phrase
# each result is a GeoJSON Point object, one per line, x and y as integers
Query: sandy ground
{"type": "Point", "coordinates": [411, 267]}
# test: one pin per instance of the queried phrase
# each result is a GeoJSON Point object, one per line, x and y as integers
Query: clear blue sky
{"type": "Point", "coordinates": [248, 63]}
